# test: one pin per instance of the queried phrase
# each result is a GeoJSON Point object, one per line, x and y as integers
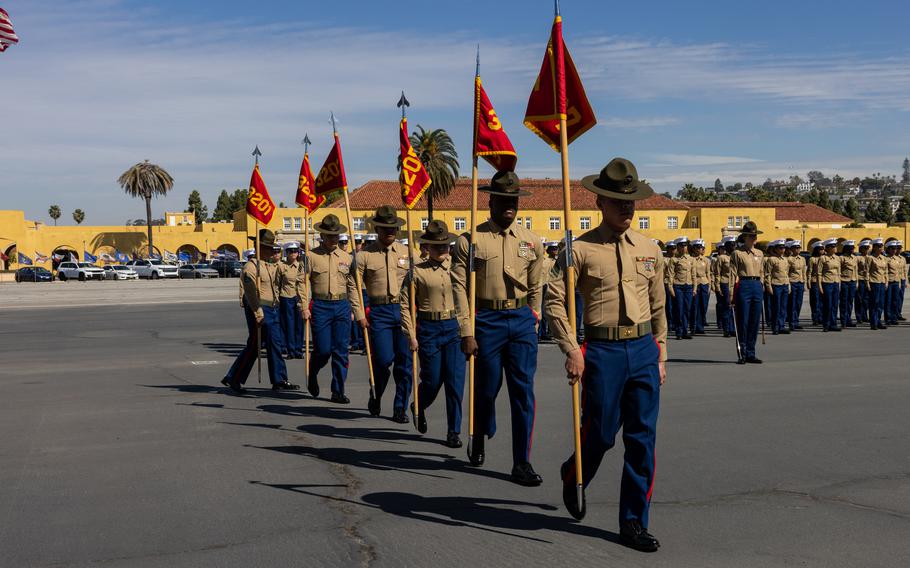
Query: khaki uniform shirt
{"type": "Point", "coordinates": [723, 271]}
{"type": "Point", "coordinates": [666, 263]}
{"type": "Point", "coordinates": [548, 264]}
{"type": "Point", "coordinates": [605, 280]}
{"type": "Point", "coordinates": [269, 287]}
{"type": "Point", "coordinates": [433, 291]}
{"type": "Point", "coordinates": [331, 273]}
{"type": "Point", "coordinates": [747, 262]}
{"type": "Point", "coordinates": [877, 269]}
{"type": "Point", "coordinates": [682, 270]}
{"type": "Point", "coordinates": [828, 269]}
{"type": "Point", "coordinates": [382, 270]}
{"type": "Point", "coordinates": [508, 264]}
{"type": "Point", "coordinates": [848, 268]}
{"type": "Point", "coordinates": [813, 269]}
{"type": "Point", "coordinates": [797, 272]}
{"type": "Point", "coordinates": [862, 267]}
{"type": "Point", "coordinates": [777, 271]}
{"type": "Point", "coordinates": [896, 270]}
{"type": "Point", "coordinates": [702, 266]}
{"type": "Point", "coordinates": [293, 279]}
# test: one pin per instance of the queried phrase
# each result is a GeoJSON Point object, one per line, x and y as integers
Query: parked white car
{"type": "Point", "coordinates": [201, 270]}
{"type": "Point", "coordinates": [153, 269]}
{"type": "Point", "coordinates": [120, 272]}
{"type": "Point", "coordinates": [81, 271]}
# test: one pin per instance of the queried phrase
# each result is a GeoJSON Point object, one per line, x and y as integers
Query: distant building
{"type": "Point", "coordinates": [805, 187]}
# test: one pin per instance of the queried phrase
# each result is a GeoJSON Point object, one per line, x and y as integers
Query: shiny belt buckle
{"type": "Point", "coordinates": [508, 304]}
{"type": "Point", "coordinates": [626, 332]}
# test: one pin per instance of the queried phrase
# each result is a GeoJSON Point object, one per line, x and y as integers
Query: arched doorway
{"type": "Point", "coordinates": [189, 253]}
{"type": "Point", "coordinates": [10, 255]}
{"type": "Point", "coordinates": [64, 253]}
{"type": "Point", "coordinates": [227, 250]}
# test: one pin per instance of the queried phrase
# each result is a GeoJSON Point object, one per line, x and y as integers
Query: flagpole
{"type": "Point", "coordinates": [412, 299]}
{"type": "Point", "coordinates": [570, 282]}
{"type": "Point", "coordinates": [305, 267]}
{"type": "Point", "coordinates": [256, 154]}
{"type": "Point", "coordinates": [472, 276]}
{"type": "Point", "coordinates": [366, 329]}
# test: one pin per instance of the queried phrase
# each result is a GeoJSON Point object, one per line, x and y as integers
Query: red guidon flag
{"type": "Point", "coordinates": [558, 93]}
{"type": "Point", "coordinates": [331, 176]}
{"type": "Point", "coordinates": [306, 196]}
{"type": "Point", "coordinates": [414, 178]}
{"type": "Point", "coordinates": [258, 204]}
{"type": "Point", "coordinates": [490, 140]}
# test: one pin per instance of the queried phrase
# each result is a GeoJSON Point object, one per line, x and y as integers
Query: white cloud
{"type": "Point", "coordinates": [640, 123]}
{"type": "Point", "coordinates": [700, 160]}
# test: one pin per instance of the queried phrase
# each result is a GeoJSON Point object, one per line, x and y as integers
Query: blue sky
{"type": "Point", "coordinates": [688, 91]}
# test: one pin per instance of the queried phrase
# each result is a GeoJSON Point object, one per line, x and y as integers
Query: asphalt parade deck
{"type": "Point", "coordinates": [119, 448]}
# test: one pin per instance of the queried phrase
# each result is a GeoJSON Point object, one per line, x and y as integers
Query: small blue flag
{"type": "Point", "coordinates": [184, 256]}
{"type": "Point", "coordinates": [24, 260]}
{"type": "Point", "coordinates": [89, 257]}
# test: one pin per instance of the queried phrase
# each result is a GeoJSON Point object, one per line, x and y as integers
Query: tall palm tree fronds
{"type": "Point", "coordinates": [437, 152]}
{"type": "Point", "coordinates": [146, 180]}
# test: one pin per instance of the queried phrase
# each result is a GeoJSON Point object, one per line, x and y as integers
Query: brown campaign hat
{"type": "Point", "coordinates": [506, 184]}
{"type": "Point", "coordinates": [750, 228]}
{"type": "Point", "coordinates": [330, 226]}
{"type": "Point", "coordinates": [266, 238]}
{"type": "Point", "coordinates": [436, 233]}
{"type": "Point", "coordinates": [618, 180]}
{"type": "Point", "coordinates": [386, 217]}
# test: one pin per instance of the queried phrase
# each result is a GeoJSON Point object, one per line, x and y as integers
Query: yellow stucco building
{"type": "Point", "coordinates": [658, 217]}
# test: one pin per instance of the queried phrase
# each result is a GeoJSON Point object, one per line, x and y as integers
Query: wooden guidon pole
{"type": "Point", "coordinates": [570, 299]}
{"type": "Point", "coordinates": [412, 299]}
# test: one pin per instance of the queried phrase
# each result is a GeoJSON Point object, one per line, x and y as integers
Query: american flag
{"type": "Point", "coordinates": [7, 35]}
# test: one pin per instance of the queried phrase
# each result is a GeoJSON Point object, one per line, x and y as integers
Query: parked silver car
{"type": "Point", "coordinates": [201, 270]}
{"type": "Point", "coordinates": [120, 272]}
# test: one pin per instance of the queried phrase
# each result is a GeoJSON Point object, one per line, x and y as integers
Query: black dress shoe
{"type": "Point", "coordinates": [740, 361]}
{"type": "Point", "coordinates": [881, 326]}
{"type": "Point", "coordinates": [797, 327]}
{"type": "Point", "coordinates": [226, 381]}
{"type": "Point", "coordinates": [400, 416]}
{"type": "Point", "coordinates": [570, 494]}
{"type": "Point", "coordinates": [633, 535]}
{"type": "Point", "coordinates": [901, 318]}
{"type": "Point", "coordinates": [754, 360]}
{"type": "Point", "coordinates": [236, 388]}
{"type": "Point", "coordinates": [476, 454]}
{"type": "Point", "coordinates": [834, 329]}
{"type": "Point", "coordinates": [785, 331]}
{"type": "Point", "coordinates": [340, 398]}
{"type": "Point", "coordinates": [312, 386]}
{"type": "Point", "coordinates": [726, 334]}
{"type": "Point", "coordinates": [524, 474]}
{"type": "Point", "coordinates": [420, 421]}
{"type": "Point", "coordinates": [374, 406]}
{"type": "Point", "coordinates": [687, 337]}
{"type": "Point", "coordinates": [285, 386]}
{"type": "Point", "coordinates": [453, 440]}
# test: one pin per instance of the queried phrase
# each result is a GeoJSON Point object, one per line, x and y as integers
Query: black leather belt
{"type": "Point", "coordinates": [329, 297]}
{"type": "Point", "coordinates": [383, 300]}
{"type": "Point", "coordinates": [750, 277]}
{"type": "Point", "coordinates": [509, 304]}
{"type": "Point", "coordinates": [621, 333]}
{"type": "Point", "coordinates": [436, 316]}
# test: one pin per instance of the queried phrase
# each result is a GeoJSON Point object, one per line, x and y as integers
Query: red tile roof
{"type": "Point", "coordinates": [546, 194]}
{"type": "Point", "coordinates": [783, 210]}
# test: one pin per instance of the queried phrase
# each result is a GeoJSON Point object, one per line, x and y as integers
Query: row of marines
{"type": "Point", "coordinates": [621, 365]}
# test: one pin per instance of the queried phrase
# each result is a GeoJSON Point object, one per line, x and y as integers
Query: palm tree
{"type": "Point", "coordinates": [437, 152]}
{"type": "Point", "coordinates": [54, 213]}
{"type": "Point", "coordinates": [78, 216]}
{"type": "Point", "coordinates": [145, 180]}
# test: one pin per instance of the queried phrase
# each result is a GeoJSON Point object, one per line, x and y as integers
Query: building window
{"type": "Point", "coordinates": [298, 223]}
{"type": "Point", "coordinates": [309, 223]}
{"type": "Point", "coordinates": [555, 223]}
{"type": "Point", "coordinates": [729, 221]}
{"type": "Point", "coordinates": [360, 224]}
{"type": "Point", "coordinates": [738, 222]}
{"type": "Point", "coordinates": [745, 219]}
{"type": "Point", "coordinates": [527, 222]}
{"type": "Point", "coordinates": [585, 223]}
{"type": "Point", "coordinates": [423, 223]}
{"type": "Point", "coordinates": [460, 224]}
{"type": "Point", "coordinates": [287, 223]}
{"type": "Point", "coordinates": [672, 222]}
{"type": "Point", "coordinates": [644, 223]}
{"type": "Point", "coordinates": [693, 222]}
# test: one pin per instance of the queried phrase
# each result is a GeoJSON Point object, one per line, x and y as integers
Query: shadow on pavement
{"type": "Point", "coordinates": [499, 516]}
{"type": "Point", "coordinates": [417, 463]}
